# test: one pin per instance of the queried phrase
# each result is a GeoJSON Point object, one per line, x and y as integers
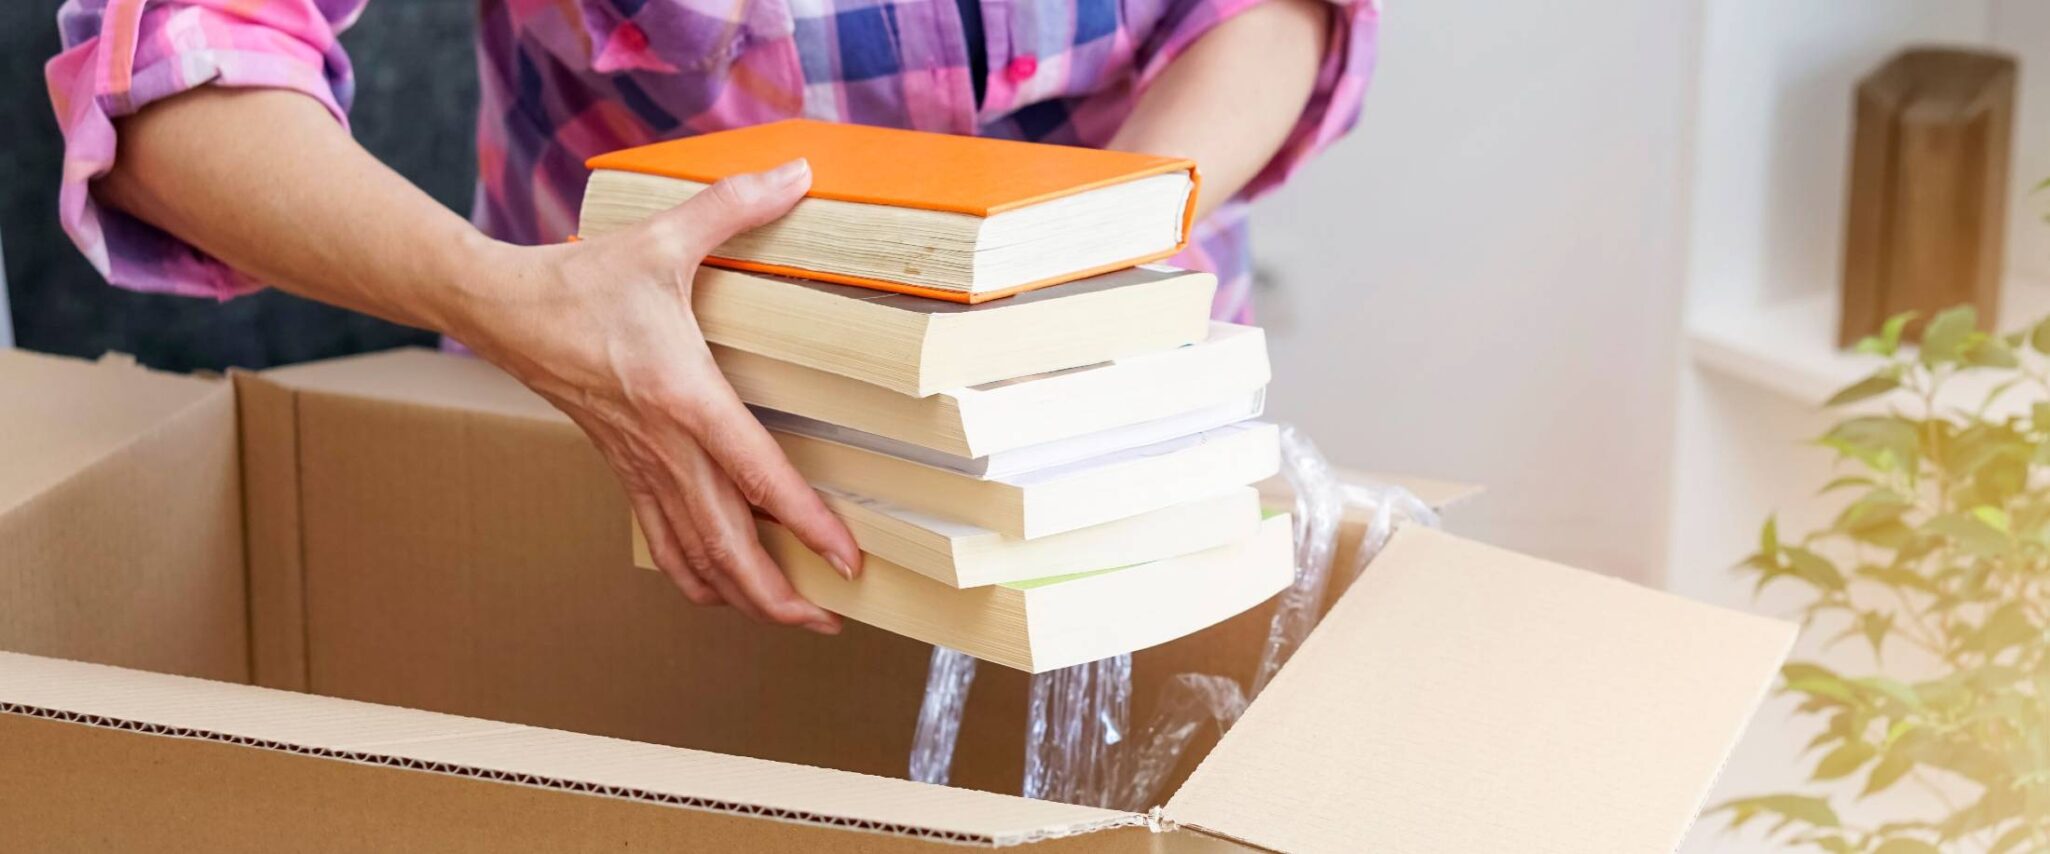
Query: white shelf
{"type": "Point", "coordinates": [1789, 347]}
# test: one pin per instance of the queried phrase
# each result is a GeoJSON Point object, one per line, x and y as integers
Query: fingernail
{"type": "Point", "coordinates": [840, 566]}
{"type": "Point", "coordinates": [788, 173]}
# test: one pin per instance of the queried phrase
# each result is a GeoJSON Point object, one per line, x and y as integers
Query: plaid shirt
{"type": "Point", "coordinates": [566, 79]}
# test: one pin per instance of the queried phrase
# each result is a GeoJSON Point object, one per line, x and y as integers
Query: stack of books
{"type": "Point", "coordinates": [1043, 444]}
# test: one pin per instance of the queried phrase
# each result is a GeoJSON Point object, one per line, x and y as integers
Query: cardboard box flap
{"type": "Point", "coordinates": [343, 730]}
{"type": "Point", "coordinates": [1465, 698]}
{"type": "Point", "coordinates": [63, 415]}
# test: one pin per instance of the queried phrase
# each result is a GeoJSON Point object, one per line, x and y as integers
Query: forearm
{"type": "Point", "coordinates": [1231, 99]}
{"type": "Point", "coordinates": [268, 182]}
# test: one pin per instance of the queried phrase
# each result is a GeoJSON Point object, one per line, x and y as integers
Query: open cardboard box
{"type": "Point", "coordinates": [437, 568]}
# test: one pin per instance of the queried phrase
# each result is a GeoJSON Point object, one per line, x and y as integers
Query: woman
{"type": "Point", "coordinates": [236, 168]}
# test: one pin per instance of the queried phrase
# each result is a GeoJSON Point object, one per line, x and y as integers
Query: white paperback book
{"type": "Point", "coordinates": [1007, 415]}
{"type": "Point", "coordinates": [1052, 500]}
{"type": "Point", "coordinates": [964, 555]}
{"type": "Point", "coordinates": [1030, 458]}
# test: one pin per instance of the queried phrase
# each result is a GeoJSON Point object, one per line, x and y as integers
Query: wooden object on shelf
{"type": "Point", "coordinates": [1926, 220]}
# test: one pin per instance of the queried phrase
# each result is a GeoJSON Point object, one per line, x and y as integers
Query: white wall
{"type": "Point", "coordinates": [1774, 134]}
{"type": "Point", "coordinates": [1483, 281]}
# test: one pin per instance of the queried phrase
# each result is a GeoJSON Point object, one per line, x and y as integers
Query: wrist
{"type": "Point", "coordinates": [479, 278]}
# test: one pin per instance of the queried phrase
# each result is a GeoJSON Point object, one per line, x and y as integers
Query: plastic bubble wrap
{"type": "Point", "coordinates": [1080, 747]}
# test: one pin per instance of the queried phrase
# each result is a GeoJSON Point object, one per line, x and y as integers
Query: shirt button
{"type": "Point", "coordinates": [1022, 68]}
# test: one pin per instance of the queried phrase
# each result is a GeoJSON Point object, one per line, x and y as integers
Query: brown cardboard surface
{"type": "Point", "coordinates": [266, 765]}
{"type": "Point", "coordinates": [1466, 698]}
{"type": "Point", "coordinates": [120, 517]}
{"type": "Point", "coordinates": [268, 416]}
{"type": "Point", "coordinates": [498, 583]}
{"type": "Point", "coordinates": [462, 549]}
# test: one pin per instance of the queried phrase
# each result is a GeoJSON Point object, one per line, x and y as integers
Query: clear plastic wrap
{"type": "Point", "coordinates": [1319, 508]}
{"type": "Point", "coordinates": [1079, 747]}
{"type": "Point", "coordinates": [1392, 506]}
{"type": "Point", "coordinates": [1188, 703]}
{"type": "Point", "coordinates": [1074, 726]}
{"type": "Point", "coordinates": [947, 680]}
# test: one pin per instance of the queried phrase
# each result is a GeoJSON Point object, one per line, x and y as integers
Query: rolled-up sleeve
{"type": "Point", "coordinates": [121, 55]}
{"type": "Point", "coordinates": [1334, 105]}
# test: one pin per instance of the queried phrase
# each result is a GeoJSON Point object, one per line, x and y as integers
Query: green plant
{"type": "Point", "coordinates": [1939, 559]}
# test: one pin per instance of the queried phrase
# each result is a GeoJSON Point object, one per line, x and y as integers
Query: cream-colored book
{"type": "Point", "coordinates": [1228, 366]}
{"type": "Point", "coordinates": [918, 346]}
{"type": "Point", "coordinates": [961, 555]}
{"type": "Point", "coordinates": [1051, 623]}
{"type": "Point", "coordinates": [1054, 500]}
{"type": "Point", "coordinates": [1031, 458]}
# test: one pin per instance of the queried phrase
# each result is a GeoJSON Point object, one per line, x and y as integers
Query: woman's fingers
{"type": "Point", "coordinates": [734, 205]}
{"type": "Point", "coordinates": [726, 532]}
{"type": "Point", "coordinates": [667, 551]}
{"type": "Point", "coordinates": [766, 479]}
{"type": "Point", "coordinates": [640, 477]}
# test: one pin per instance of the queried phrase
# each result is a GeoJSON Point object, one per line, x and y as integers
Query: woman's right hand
{"type": "Point", "coordinates": [603, 329]}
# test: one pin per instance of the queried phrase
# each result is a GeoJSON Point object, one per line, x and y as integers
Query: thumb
{"type": "Point", "coordinates": [739, 203]}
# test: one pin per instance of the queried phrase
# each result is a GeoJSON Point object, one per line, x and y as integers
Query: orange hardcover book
{"type": "Point", "coordinates": [959, 218]}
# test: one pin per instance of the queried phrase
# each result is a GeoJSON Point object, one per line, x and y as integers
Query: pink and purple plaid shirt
{"type": "Point", "coordinates": [565, 79]}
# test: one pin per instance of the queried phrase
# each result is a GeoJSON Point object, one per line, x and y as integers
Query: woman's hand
{"type": "Point", "coordinates": [603, 329]}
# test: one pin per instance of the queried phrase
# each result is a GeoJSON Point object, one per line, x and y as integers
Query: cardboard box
{"type": "Point", "coordinates": [443, 564]}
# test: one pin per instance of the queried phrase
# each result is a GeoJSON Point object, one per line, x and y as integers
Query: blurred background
{"type": "Point", "coordinates": [1583, 252]}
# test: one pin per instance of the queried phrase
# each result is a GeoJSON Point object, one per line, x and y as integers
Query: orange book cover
{"type": "Point", "coordinates": [977, 176]}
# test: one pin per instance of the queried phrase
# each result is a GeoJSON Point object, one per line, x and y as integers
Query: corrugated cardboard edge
{"type": "Point", "coordinates": [179, 695]}
{"type": "Point", "coordinates": [269, 419]}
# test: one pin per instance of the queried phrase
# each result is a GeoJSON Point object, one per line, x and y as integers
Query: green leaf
{"type": "Point", "coordinates": [1893, 689]}
{"type": "Point", "coordinates": [1944, 340]}
{"type": "Point", "coordinates": [2009, 625]}
{"type": "Point", "coordinates": [1829, 843]}
{"type": "Point", "coordinates": [1890, 331]}
{"type": "Point", "coordinates": [1895, 576]}
{"type": "Point", "coordinates": [1881, 442]}
{"type": "Point", "coordinates": [1888, 341]}
{"type": "Point", "coordinates": [1811, 811]}
{"type": "Point", "coordinates": [1970, 533]}
{"type": "Point", "coordinates": [1990, 353]}
{"type": "Point", "coordinates": [1867, 388]}
{"type": "Point", "coordinates": [1994, 518]}
{"type": "Point", "coordinates": [1769, 538]}
{"type": "Point", "coordinates": [2039, 337]}
{"type": "Point", "coordinates": [1872, 509]}
{"type": "Point", "coordinates": [1875, 627]}
{"type": "Point", "coordinates": [1888, 771]}
{"type": "Point", "coordinates": [1851, 480]}
{"type": "Point", "coordinates": [1906, 845]}
{"type": "Point", "coordinates": [1891, 535]}
{"type": "Point", "coordinates": [1814, 569]}
{"type": "Point", "coordinates": [1794, 670]}
{"type": "Point", "coordinates": [1842, 761]}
